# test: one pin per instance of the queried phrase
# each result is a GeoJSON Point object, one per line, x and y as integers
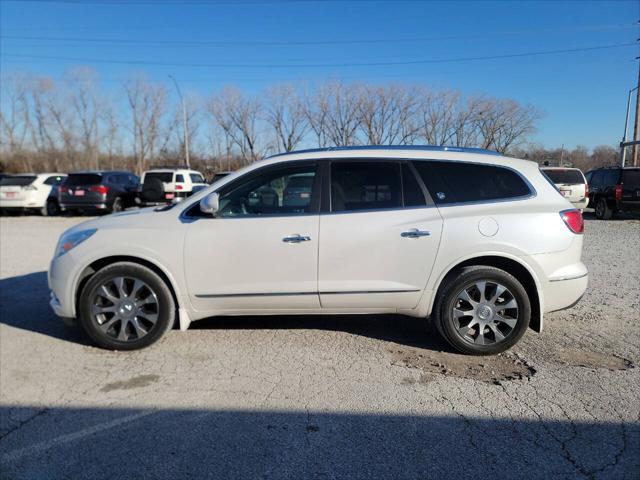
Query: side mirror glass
{"type": "Point", "coordinates": [210, 204]}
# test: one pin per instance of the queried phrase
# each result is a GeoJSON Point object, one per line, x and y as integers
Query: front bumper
{"type": "Point", "coordinates": [61, 279]}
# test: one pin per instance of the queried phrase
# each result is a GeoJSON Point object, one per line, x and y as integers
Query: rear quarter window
{"type": "Point", "coordinates": [458, 182]}
{"type": "Point", "coordinates": [631, 178]}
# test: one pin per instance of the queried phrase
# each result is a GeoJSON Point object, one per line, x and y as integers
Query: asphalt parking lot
{"type": "Point", "coordinates": [320, 397]}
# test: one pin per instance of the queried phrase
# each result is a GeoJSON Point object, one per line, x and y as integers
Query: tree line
{"type": "Point", "coordinates": [73, 124]}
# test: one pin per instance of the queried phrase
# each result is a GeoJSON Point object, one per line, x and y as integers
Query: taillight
{"type": "Point", "coordinates": [573, 220]}
{"type": "Point", "coordinates": [99, 189]}
{"type": "Point", "coordinates": [618, 192]}
{"type": "Point", "coordinates": [586, 190]}
{"type": "Point", "coordinates": [178, 187]}
{"type": "Point", "coordinates": [64, 190]}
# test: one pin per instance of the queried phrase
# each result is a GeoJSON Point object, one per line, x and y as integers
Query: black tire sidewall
{"type": "Point", "coordinates": [51, 208]}
{"type": "Point", "coordinates": [117, 205]}
{"type": "Point", "coordinates": [448, 297]}
{"type": "Point", "coordinates": [166, 306]}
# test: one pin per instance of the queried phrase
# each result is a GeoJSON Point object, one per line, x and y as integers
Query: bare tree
{"type": "Point", "coordinates": [439, 117]}
{"type": "Point", "coordinates": [147, 103]}
{"type": "Point", "coordinates": [86, 106]}
{"type": "Point", "coordinates": [14, 115]}
{"type": "Point", "coordinates": [286, 116]}
{"type": "Point", "coordinates": [503, 123]}
{"type": "Point", "coordinates": [238, 117]}
{"type": "Point", "coordinates": [386, 114]}
{"type": "Point", "coordinates": [337, 105]}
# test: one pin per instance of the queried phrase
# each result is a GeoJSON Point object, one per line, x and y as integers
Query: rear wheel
{"type": "Point", "coordinates": [603, 211]}
{"type": "Point", "coordinates": [51, 208]}
{"type": "Point", "coordinates": [482, 310]}
{"type": "Point", "coordinates": [126, 306]}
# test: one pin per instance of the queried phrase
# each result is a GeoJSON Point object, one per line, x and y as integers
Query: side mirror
{"type": "Point", "coordinates": [210, 204]}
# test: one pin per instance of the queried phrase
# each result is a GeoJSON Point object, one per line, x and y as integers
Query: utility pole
{"type": "Point", "coordinates": [561, 155]}
{"type": "Point", "coordinates": [184, 123]}
{"type": "Point", "coordinates": [636, 126]}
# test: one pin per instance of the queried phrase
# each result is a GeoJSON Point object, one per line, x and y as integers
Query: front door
{"type": "Point", "coordinates": [379, 241]}
{"type": "Point", "coordinates": [261, 249]}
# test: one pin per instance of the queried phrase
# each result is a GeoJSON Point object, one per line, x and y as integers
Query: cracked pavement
{"type": "Point", "coordinates": [321, 397]}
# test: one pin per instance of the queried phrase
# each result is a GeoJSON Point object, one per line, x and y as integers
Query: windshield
{"type": "Point", "coordinates": [17, 181]}
{"type": "Point", "coordinates": [565, 176]}
{"type": "Point", "coordinates": [164, 177]}
{"type": "Point", "coordinates": [75, 179]}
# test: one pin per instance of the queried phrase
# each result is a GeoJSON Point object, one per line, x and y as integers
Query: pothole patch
{"type": "Point", "coordinates": [492, 369]}
{"type": "Point", "coordinates": [588, 359]}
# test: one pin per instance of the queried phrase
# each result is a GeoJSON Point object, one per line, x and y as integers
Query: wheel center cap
{"type": "Point", "coordinates": [485, 312]}
{"type": "Point", "coordinates": [126, 308]}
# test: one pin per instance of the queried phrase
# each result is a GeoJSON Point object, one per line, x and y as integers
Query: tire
{"type": "Point", "coordinates": [603, 211]}
{"type": "Point", "coordinates": [51, 208]}
{"type": "Point", "coordinates": [458, 328]}
{"type": "Point", "coordinates": [134, 298]}
{"type": "Point", "coordinates": [117, 205]}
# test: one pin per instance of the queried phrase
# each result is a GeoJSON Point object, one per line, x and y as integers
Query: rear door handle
{"type": "Point", "coordinates": [415, 233]}
{"type": "Point", "coordinates": [296, 239]}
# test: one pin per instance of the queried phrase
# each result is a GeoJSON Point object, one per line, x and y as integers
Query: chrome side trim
{"type": "Point", "coordinates": [285, 294]}
{"type": "Point", "coordinates": [569, 278]}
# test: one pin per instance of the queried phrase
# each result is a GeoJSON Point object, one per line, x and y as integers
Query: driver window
{"type": "Point", "coordinates": [280, 191]}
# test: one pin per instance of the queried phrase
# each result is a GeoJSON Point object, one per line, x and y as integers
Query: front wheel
{"type": "Point", "coordinates": [126, 306]}
{"type": "Point", "coordinates": [118, 205]}
{"type": "Point", "coordinates": [482, 310]}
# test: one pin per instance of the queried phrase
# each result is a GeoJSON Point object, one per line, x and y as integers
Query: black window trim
{"type": "Point", "coordinates": [532, 191]}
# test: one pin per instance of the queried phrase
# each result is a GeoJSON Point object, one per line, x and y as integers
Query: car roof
{"type": "Point", "coordinates": [171, 170]}
{"type": "Point", "coordinates": [99, 172]}
{"type": "Point", "coordinates": [560, 168]}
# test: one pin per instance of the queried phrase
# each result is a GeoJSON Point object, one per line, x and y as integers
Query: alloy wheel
{"type": "Point", "coordinates": [125, 308]}
{"type": "Point", "coordinates": [485, 313]}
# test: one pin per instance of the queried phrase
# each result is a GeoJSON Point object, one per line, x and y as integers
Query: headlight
{"type": "Point", "coordinates": [71, 240]}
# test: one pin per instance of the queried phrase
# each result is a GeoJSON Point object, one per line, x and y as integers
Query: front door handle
{"type": "Point", "coordinates": [415, 233]}
{"type": "Point", "coordinates": [297, 238]}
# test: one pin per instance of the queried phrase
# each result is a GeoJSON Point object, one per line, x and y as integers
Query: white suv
{"type": "Point", "coordinates": [31, 191]}
{"type": "Point", "coordinates": [166, 185]}
{"type": "Point", "coordinates": [571, 183]}
{"type": "Point", "coordinates": [481, 243]}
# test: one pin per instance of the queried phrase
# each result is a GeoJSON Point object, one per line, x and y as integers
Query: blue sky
{"type": "Point", "coordinates": [583, 94]}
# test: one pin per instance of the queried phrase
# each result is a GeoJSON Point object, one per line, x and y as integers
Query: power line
{"type": "Point", "coordinates": [317, 65]}
{"type": "Point", "coordinates": [304, 42]}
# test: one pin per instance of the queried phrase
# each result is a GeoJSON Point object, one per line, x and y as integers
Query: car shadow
{"type": "Point", "coordinates": [126, 442]}
{"type": "Point", "coordinates": [24, 304]}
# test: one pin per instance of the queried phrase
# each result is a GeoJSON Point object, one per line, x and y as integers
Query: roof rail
{"type": "Point", "coordinates": [425, 148]}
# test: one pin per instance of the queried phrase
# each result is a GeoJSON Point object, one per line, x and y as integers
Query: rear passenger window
{"type": "Point", "coordinates": [411, 190]}
{"type": "Point", "coordinates": [365, 186]}
{"type": "Point", "coordinates": [456, 182]}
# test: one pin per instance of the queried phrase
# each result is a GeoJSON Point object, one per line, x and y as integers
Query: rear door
{"type": "Point", "coordinates": [379, 236]}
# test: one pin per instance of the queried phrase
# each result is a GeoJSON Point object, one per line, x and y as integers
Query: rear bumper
{"type": "Point", "coordinates": [21, 203]}
{"type": "Point", "coordinates": [565, 292]}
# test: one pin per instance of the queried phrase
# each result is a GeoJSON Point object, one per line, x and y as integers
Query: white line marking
{"type": "Point", "coordinates": [70, 437]}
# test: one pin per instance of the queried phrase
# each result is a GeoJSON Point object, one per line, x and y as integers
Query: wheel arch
{"type": "Point", "coordinates": [509, 265]}
{"type": "Point", "coordinates": [100, 263]}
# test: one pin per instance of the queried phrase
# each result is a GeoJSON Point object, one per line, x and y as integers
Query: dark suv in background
{"type": "Point", "coordinates": [613, 189]}
{"type": "Point", "coordinates": [105, 191]}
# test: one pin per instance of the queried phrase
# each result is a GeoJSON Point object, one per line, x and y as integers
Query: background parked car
{"type": "Point", "coordinates": [168, 184]}
{"type": "Point", "coordinates": [31, 192]}
{"type": "Point", "coordinates": [572, 184]}
{"type": "Point", "coordinates": [218, 175]}
{"type": "Point", "coordinates": [101, 191]}
{"type": "Point", "coordinates": [614, 189]}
